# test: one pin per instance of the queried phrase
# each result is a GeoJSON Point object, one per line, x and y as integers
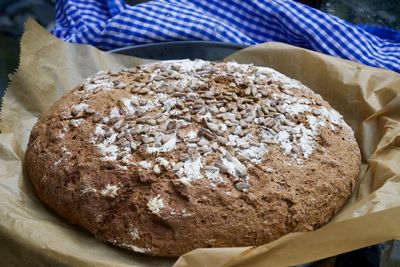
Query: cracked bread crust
{"type": "Point", "coordinates": [118, 157]}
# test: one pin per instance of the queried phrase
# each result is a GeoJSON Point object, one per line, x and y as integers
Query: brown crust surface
{"type": "Point", "coordinates": [93, 160]}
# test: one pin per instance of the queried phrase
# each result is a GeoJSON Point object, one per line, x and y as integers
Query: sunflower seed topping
{"type": "Point", "coordinates": [209, 120]}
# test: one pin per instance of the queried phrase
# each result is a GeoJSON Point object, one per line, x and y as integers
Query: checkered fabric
{"type": "Point", "coordinates": [110, 24]}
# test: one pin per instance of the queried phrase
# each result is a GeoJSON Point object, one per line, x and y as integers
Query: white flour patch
{"type": "Point", "coordinates": [99, 82]}
{"type": "Point", "coordinates": [168, 146]}
{"type": "Point", "coordinates": [134, 233]}
{"type": "Point", "coordinates": [80, 107]}
{"type": "Point", "coordinates": [76, 122]}
{"type": "Point", "coordinates": [110, 190]}
{"type": "Point", "coordinates": [114, 113]}
{"type": "Point", "coordinates": [134, 248]}
{"type": "Point", "coordinates": [212, 173]}
{"type": "Point", "coordinates": [191, 170]}
{"type": "Point", "coordinates": [282, 138]}
{"type": "Point", "coordinates": [155, 205]}
{"type": "Point", "coordinates": [145, 164]}
{"type": "Point", "coordinates": [163, 162]}
{"type": "Point", "coordinates": [191, 134]}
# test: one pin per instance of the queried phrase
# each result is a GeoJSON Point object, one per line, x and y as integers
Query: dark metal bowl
{"type": "Point", "coordinates": [182, 49]}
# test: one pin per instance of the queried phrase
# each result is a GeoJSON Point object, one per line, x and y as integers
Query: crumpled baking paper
{"type": "Point", "coordinates": [369, 99]}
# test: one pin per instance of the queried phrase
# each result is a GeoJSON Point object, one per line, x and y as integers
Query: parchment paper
{"type": "Point", "coordinates": [369, 99]}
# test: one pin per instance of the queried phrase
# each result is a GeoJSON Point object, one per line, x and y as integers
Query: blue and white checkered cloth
{"type": "Point", "coordinates": [109, 24]}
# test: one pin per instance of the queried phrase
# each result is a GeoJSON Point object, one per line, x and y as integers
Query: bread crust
{"type": "Point", "coordinates": [90, 160]}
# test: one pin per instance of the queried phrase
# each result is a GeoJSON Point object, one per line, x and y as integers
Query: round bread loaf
{"type": "Point", "coordinates": [168, 157]}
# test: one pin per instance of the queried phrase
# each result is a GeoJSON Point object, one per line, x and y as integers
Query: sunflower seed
{"type": "Point", "coordinates": [229, 123]}
{"type": "Point", "coordinates": [120, 135]}
{"type": "Point", "coordinates": [243, 124]}
{"type": "Point", "coordinates": [222, 110]}
{"type": "Point", "coordinates": [120, 141]}
{"type": "Point", "coordinates": [288, 92]}
{"type": "Point", "coordinates": [242, 157]}
{"type": "Point", "coordinates": [179, 124]}
{"type": "Point", "coordinates": [191, 145]}
{"type": "Point", "coordinates": [228, 156]}
{"type": "Point", "coordinates": [290, 123]}
{"type": "Point", "coordinates": [268, 141]}
{"type": "Point", "coordinates": [122, 154]}
{"type": "Point", "coordinates": [100, 139]}
{"type": "Point", "coordinates": [165, 138]}
{"type": "Point", "coordinates": [140, 113]}
{"type": "Point", "coordinates": [184, 110]}
{"type": "Point", "coordinates": [157, 78]}
{"type": "Point", "coordinates": [253, 143]}
{"type": "Point", "coordinates": [259, 112]}
{"type": "Point", "coordinates": [108, 134]}
{"type": "Point", "coordinates": [264, 109]}
{"type": "Point", "coordinates": [117, 126]}
{"type": "Point", "coordinates": [202, 142]}
{"type": "Point", "coordinates": [125, 144]}
{"type": "Point", "coordinates": [127, 135]}
{"type": "Point", "coordinates": [263, 93]}
{"type": "Point", "coordinates": [130, 118]}
{"type": "Point", "coordinates": [269, 122]}
{"type": "Point", "coordinates": [151, 122]}
{"type": "Point", "coordinates": [242, 186]}
{"type": "Point", "coordinates": [249, 119]}
{"type": "Point", "coordinates": [197, 119]}
{"type": "Point", "coordinates": [258, 80]}
{"type": "Point", "coordinates": [223, 168]}
{"type": "Point", "coordinates": [161, 119]}
{"type": "Point", "coordinates": [171, 125]}
{"type": "Point", "coordinates": [97, 118]}
{"type": "Point", "coordinates": [113, 120]}
{"type": "Point", "coordinates": [244, 145]}
{"type": "Point", "coordinates": [178, 94]}
{"type": "Point", "coordinates": [121, 86]}
{"type": "Point", "coordinates": [219, 104]}
{"type": "Point", "coordinates": [156, 169]}
{"type": "Point", "coordinates": [143, 102]}
{"type": "Point", "coordinates": [143, 91]}
{"type": "Point", "coordinates": [75, 112]}
{"type": "Point", "coordinates": [254, 91]}
{"type": "Point", "coordinates": [199, 101]}
{"type": "Point", "coordinates": [139, 85]}
{"type": "Point", "coordinates": [178, 166]}
{"type": "Point", "coordinates": [214, 146]}
{"type": "Point", "coordinates": [89, 111]}
{"type": "Point", "coordinates": [135, 131]}
{"type": "Point", "coordinates": [134, 90]}
{"type": "Point", "coordinates": [212, 126]}
{"type": "Point", "coordinates": [133, 146]}
{"type": "Point", "coordinates": [272, 110]}
{"type": "Point", "coordinates": [206, 133]}
{"type": "Point", "coordinates": [148, 140]}
{"type": "Point", "coordinates": [135, 102]}
{"type": "Point", "coordinates": [238, 116]}
{"type": "Point", "coordinates": [186, 117]}
{"type": "Point", "coordinates": [221, 140]}
{"type": "Point", "coordinates": [194, 140]}
{"type": "Point", "coordinates": [194, 155]}
{"type": "Point", "coordinates": [184, 157]}
{"type": "Point", "coordinates": [220, 116]}
{"type": "Point", "coordinates": [198, 106]}
{"type": "Point", "coordinates": [203, 149]}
